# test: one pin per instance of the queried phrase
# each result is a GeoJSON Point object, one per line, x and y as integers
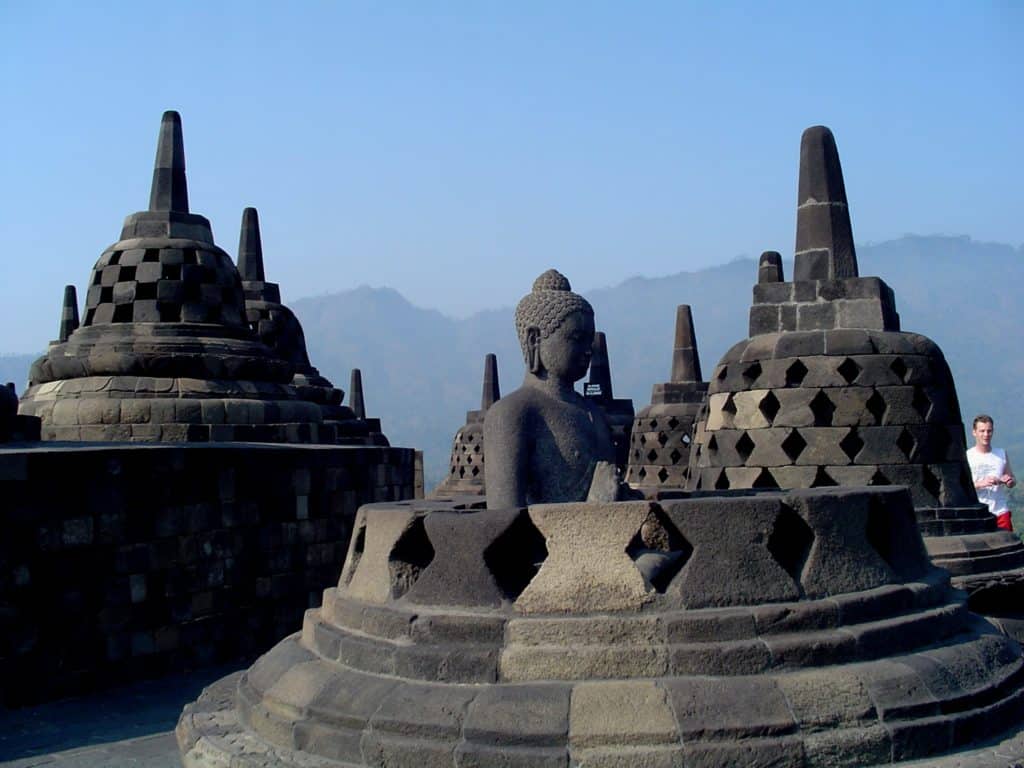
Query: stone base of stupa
{"type": "Point", "coordinates": [802, 628]}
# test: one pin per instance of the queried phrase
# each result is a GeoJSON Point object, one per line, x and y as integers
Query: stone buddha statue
{"type": "Point", "coordinates": [544, 440]}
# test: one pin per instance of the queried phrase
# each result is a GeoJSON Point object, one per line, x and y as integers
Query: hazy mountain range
{"type": "Point", "coordinates": [422, 370]}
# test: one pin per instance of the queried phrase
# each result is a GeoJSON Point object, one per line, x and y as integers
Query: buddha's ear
{"type": "Point", "coordinates": [533, 349]}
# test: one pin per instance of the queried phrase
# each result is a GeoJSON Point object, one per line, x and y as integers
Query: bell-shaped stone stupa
{"type": "Point", "coordinates": [164, 352]}
{"type": "Point", "coordinates": [828, 391]}
{"type": "Point", "coordinates": [466, 465]}
{"type": "Point", "coordinates": [803, 628]}
{"type": "Point", "coordinates": [663, 431]}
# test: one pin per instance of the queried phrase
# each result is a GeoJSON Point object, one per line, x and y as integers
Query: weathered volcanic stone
{"type": "Point", "coordinates": [663, 431]}
{"type": "Point", "coordinates": [466, 463]}
{"type": "Point", "coordinates": [165, 323]}
{"type": "Point", "coordinates": [897, 671]}
{"type": "Point", "coordinates": [828, 391]}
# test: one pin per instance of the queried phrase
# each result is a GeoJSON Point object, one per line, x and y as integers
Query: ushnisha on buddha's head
{"type": "Point", "coordinates": [556, 331]}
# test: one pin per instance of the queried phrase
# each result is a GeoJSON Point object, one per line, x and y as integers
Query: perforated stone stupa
{"type": "Point", "coordinates": [164, 351]}
{"type": "Point", "coordinates": [466, 463]}
{"type": "Point", "coordinates": [828, 391]}
{"type": "Point", "coordinates": [786, 628]}
{"type": "Point", "coordinates": [663, 431]}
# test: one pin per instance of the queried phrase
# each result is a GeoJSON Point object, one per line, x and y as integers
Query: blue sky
{"type": "Point", "coordinates": [455, 150]}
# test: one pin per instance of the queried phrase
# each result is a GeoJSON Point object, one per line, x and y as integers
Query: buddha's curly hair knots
{"type": "Point", "coordinates": [548, 304]}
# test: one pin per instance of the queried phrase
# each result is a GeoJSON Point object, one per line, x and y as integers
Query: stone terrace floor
{"type": "Point", "coordinates": [131, 726]}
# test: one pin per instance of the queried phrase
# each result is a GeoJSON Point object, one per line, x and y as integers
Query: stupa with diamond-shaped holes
{"type": "Point", "coordinates": [803, 628]}
{"type": "Point", "coordinates": [663, 431]}
{"type": "Point", "coordinates": [466, 462]}
{"type": "Point", "coordinates": [829, 391]}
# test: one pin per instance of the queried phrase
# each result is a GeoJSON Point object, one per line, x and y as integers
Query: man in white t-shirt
{"type": "Point", "coordinates": [990, 468]}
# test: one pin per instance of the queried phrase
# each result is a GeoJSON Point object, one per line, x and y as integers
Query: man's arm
{"type": "Point", "coordinates": [1008, 478]}
{"type": "Point", "coordinates": [505, 455]}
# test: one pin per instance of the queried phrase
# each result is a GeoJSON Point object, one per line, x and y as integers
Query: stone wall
{"type": "Point", "coordinates": [120, 562]}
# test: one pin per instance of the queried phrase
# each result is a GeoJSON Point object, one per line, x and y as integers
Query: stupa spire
{"type": "Point", "coordinates": [491, 391]}
{"type": "Point", "coordinates": [356, 394]}
{"type": "Point", "coordinates": [600, 371]}
{"type": "Point", "coordinates": [824, 236]}
{"type": "Point", "coordinates": [170, 190]}
{"type": "Point", "coordinates": [250, 247]}
{"type": "Point", "coordinates": [68, 313]}
{"type": "Point", "coordinates": [685, 360]}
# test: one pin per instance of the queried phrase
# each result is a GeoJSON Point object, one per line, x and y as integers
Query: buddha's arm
{"type": "Point", "coordinates": [505, 456]}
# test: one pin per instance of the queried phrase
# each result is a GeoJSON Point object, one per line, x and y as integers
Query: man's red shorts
{"type": "Point", "coordinates": [1003, 522]}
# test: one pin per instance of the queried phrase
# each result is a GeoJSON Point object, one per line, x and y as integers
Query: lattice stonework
{"type": "Point", "coordinates": [191, 284]}
{"type": "Point", "coordinates": [845, 419]}
{"type": "Point", "coordinates": [659, 450]}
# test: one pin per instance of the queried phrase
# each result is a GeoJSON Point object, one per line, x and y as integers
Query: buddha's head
{"type": "Point", "coordinates": [556, 329]}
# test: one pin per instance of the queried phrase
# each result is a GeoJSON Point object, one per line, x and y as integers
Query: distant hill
{"type": "Point", "coordinates": [422, 370]}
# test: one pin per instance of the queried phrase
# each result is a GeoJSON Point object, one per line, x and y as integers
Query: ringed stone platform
{"type": "Point", "coordinates": [800, 628]}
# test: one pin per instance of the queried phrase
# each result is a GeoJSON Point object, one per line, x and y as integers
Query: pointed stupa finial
{"type": "Point", "coordinates": [824, 236]}
{"type": "Point", "coordinates": [600, 382]}
{"type": "Point", "coordinates": [685, 360]}
{"type": "Point", "coordinates": [769, 267]}
{"type": "Point", "coordinates": [169, 191]}
{"type": "Point", "coordinates": [250, 248]}
{"type": "Point", "coordinates": [356, 394]}
{"type": "Point", "coordinates": [491, 393]}
{"type": "Point", "coordinates": [68, 313]}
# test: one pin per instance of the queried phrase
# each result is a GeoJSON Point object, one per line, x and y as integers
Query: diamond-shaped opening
{"type": "Point", "coordinates": [752, 372]}
{"type": "Point", "coordinates": [906, 443]}
{"type": "Point", "coordinates": [879, 479]}
{"type": "Point", "coordinates": [729, 406]}
{"type": "Point", "coordinates": [769, 406]}
{"type": "Point", "coordinates": [722, 483]}
{"type": "Point", "coordinates": [876, 407]}
{"type": "Point", "coordinates": [652, 455]}
{"type": "Point", "coordinates": [900, 368]}
{"type": "Point", "coordinates": [675, 455]}
{"type": "Point", "coordinates": [653, 423]}
{"type": "Point", "coordinates": [642, 473]}
{"type": "Point", "coordinates": [790, 542]}
{"type": "Point", "coordinates": [516, 555]}
{"type": "Point", "coordinates": [851, 444]}
{"type": "Point", "coordinates": [658, 550]}
{"type": "Point", "coordinates": [794, 445]}
{"type": "Point", "coordinates": [713, 444]}
{"type": "Point", "coordinates": [673, 423]}
{"type": "Point", "coordinates": [643, 440]}
{"type": "Point", "coordinates": [476, 448]}
{"type": "Point", "coordinates": [849, 370]}
{"type": "Point", "coordinates": [822, 479]}
{"type": "Point", "coordinates": [475, 471]}
{"type": "Point", "coordinates": [411, 554]}
{"type": "Point", "coordinates": [765, 479]}
{"type": "Point", "coordinates": [462, 471]}
{"type": "Point", "coordinates": [662, 439]}
{"type": "Point", "coordinates": [932, 483]}
{"type": "Point", "coordinates": [822, 408]}
{"type": "Point", "coordinates": [723, 372]}
{"type": "Point", "coordinates": [921, 402]}
{"type": "Point", "coordinates": [795, 374]}
{"type": "Point", "coordinates": [744, 446]}
{"type": "Point", "coordinates": [663, 474]}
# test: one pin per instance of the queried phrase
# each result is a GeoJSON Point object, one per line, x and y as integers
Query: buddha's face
{"type": "Point", "coordinates": [565, 354]}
